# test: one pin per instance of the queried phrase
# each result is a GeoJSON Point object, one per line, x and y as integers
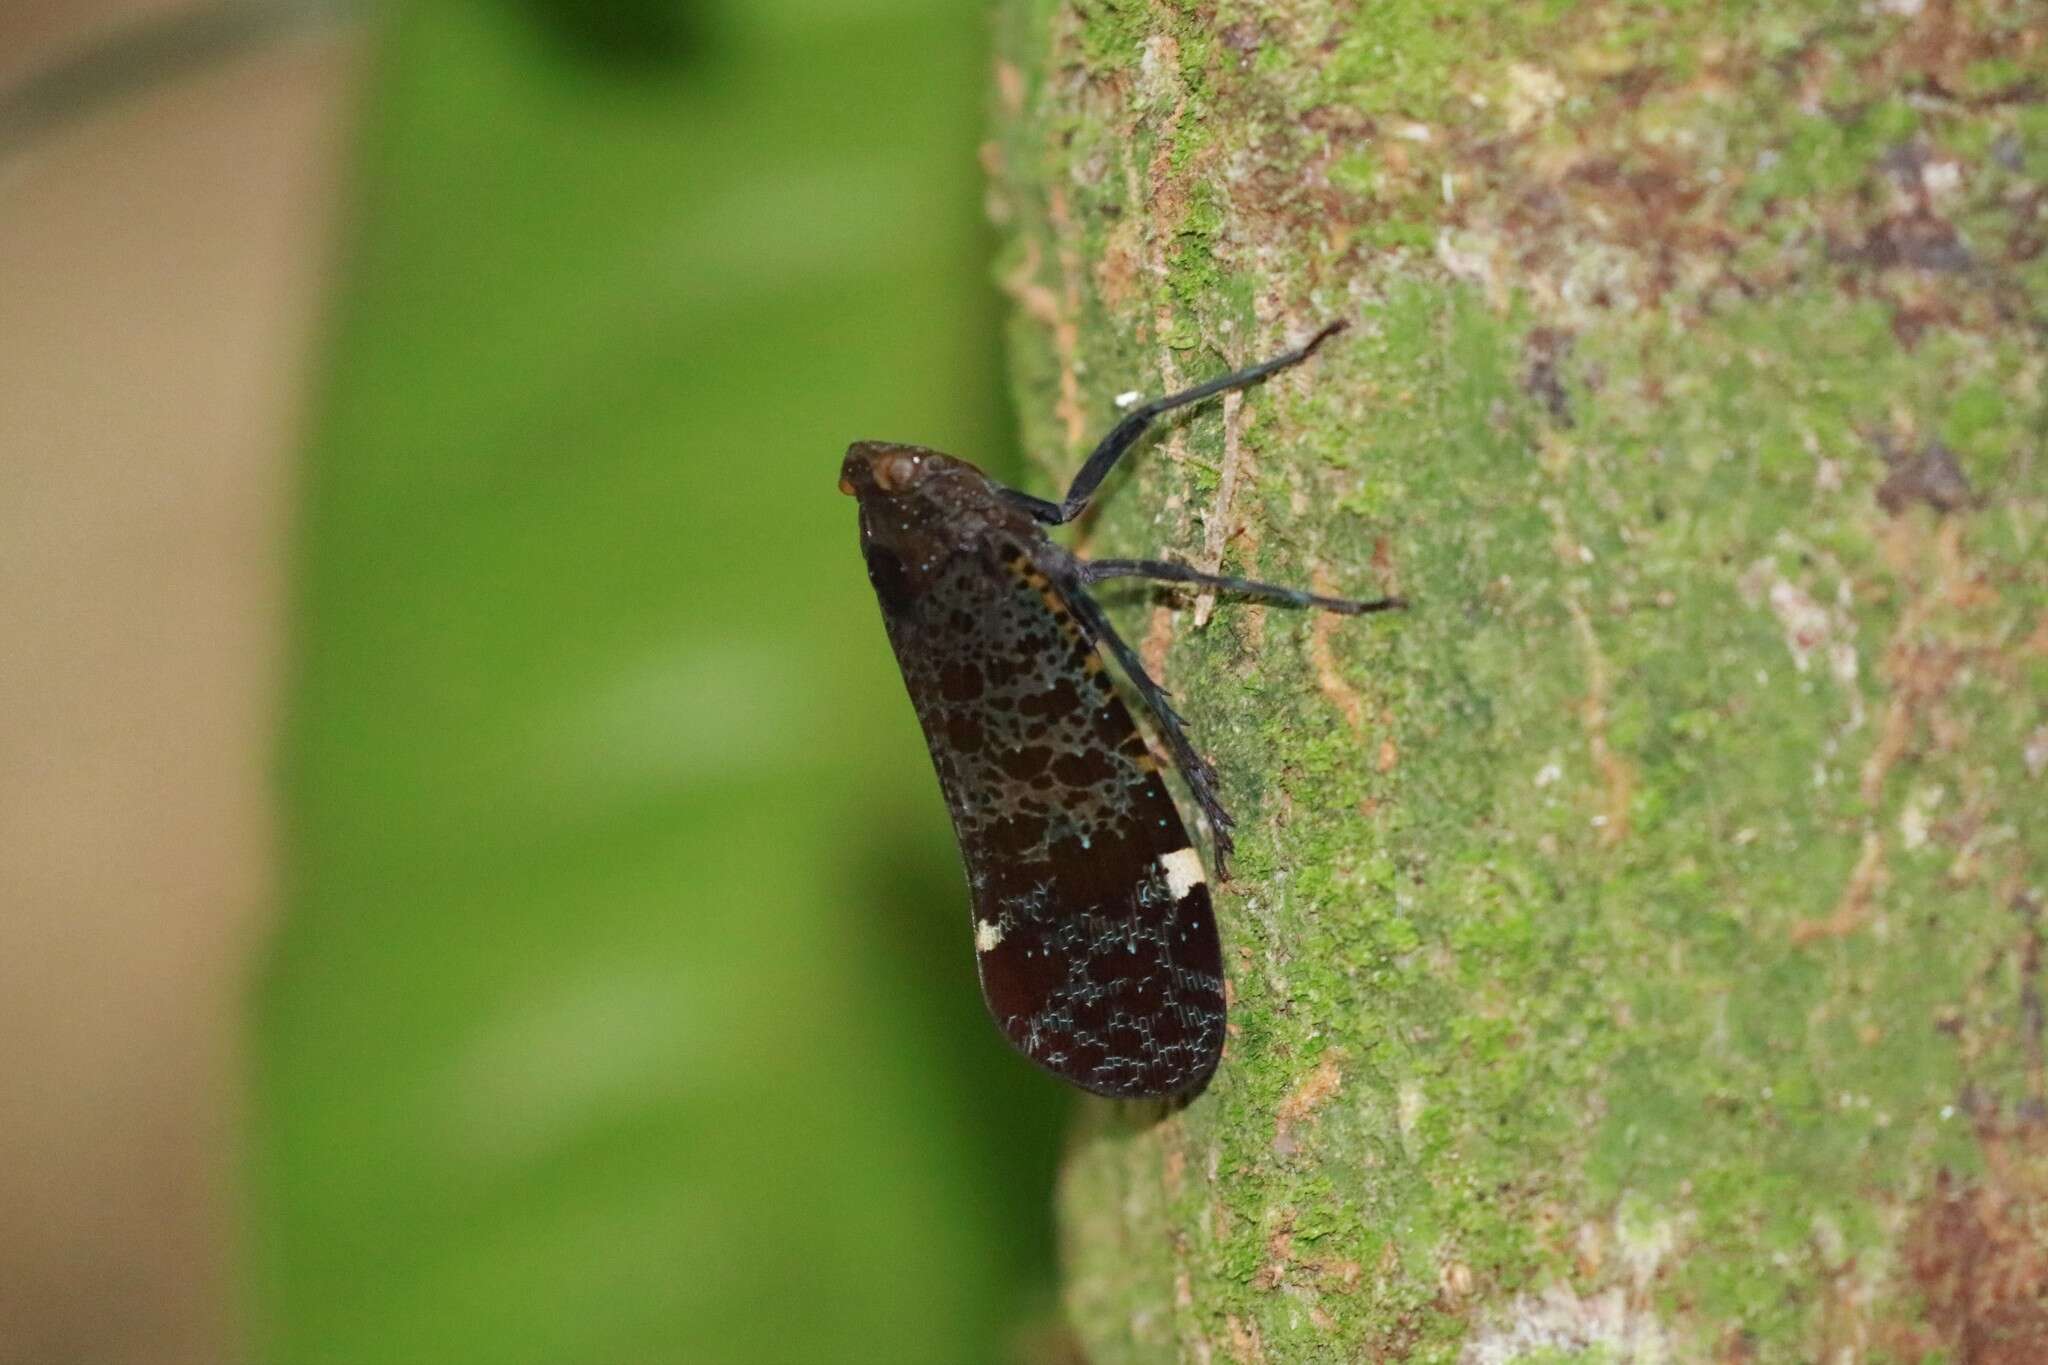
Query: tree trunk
{"type": "Point", "coordinates": [1635, 947]}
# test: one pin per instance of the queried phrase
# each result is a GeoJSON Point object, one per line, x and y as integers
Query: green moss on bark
{"type": "Point", "coordinates": [1636, 946]}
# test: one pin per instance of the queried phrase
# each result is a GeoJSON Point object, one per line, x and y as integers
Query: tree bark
{"type": "Point", "coordinates": [1635, 947]}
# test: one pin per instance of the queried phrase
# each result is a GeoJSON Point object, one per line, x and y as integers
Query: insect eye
{"type": "Point", "coordinates": [897, 471]}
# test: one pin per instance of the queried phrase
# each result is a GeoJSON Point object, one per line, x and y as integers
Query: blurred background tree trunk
{"type": "Point", "coordinates": [1636, 947]}
{"type": "Point", "coordinates": [166, 196]}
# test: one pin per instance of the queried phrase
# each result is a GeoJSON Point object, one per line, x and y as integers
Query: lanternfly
{"type": "Point", "coordinates": [1093, 927]}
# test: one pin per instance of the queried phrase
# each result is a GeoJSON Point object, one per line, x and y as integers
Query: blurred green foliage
{"type": "Point", "coordinates": [623, 1009]}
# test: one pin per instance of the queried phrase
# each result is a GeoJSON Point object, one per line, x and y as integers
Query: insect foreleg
{"type": "Point", "coordinates": [1125, 434]}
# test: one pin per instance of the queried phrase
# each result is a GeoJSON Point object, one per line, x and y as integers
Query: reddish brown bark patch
{"type": "Point", "coordinates": [1978, 1254]}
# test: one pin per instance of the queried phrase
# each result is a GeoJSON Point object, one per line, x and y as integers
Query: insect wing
{"type": "Point", "coordinates": [1093, 928]}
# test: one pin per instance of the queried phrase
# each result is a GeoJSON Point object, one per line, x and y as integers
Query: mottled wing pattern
{"type": "Point", "coordinates": [1092, 923]}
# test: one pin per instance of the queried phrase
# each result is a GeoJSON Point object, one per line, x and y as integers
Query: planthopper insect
{"type": "Point", "coordinates": [1093, 929]}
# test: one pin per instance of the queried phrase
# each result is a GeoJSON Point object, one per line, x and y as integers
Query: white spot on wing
{"type": "Point", "coordinates": [1183, 871]}
{"type": "Point", "coordinates": [986, 935]}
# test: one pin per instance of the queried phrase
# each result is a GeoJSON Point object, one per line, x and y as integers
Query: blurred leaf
{"type": "Point", "coordinates": [624, 1006]}
{"type": "Point", "coordinates": [647, 35]}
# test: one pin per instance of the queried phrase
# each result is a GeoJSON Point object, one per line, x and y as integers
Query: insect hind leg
{"type": "Point", "coordinates": [1194, 769]}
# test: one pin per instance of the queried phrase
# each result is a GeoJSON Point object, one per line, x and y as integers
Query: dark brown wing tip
{"type": "Point", "coordinates": [1182, 1093]}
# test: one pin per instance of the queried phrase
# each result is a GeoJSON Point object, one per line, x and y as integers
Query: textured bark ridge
{"type": "Point", "coordinates": [1636, 948]}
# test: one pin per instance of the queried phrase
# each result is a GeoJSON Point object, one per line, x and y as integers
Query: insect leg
{"type": "Point", "coordinates": [1125, 434]}
{"type": "Point", "coordinates": [1194, 769]}
{"type": "Point", "coordinates": [1166, 571]}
